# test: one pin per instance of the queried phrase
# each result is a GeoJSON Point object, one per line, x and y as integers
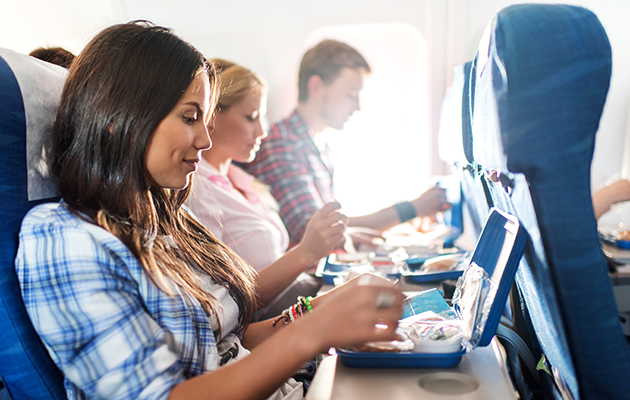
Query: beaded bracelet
{"type": "Point", "coordinates": [283, 316]}
{"type": "Point", "coordinates": [405, 211]}
{"type": "Point", "coordinates": [294, 312]}
{"type": "Point", "coordinates": [305, 302]}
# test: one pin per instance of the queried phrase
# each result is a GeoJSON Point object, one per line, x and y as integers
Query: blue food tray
{"type": "Point", "coordinates": [424, 277]}
{"type": "Point", "coordinates": [328, 269]}
{"type": "Point", "coordinates": [416, 261]}
{"type": "Point", "coordinates": [622, 244]}
{"type": "Point", "coordinates": [499, 251]}
{"type": "Point", "coordinates": [399, 360]}
{"type": "Point", "coordinates": [331, 271]}
{"type": "Point", "coordinates": [412, 273]}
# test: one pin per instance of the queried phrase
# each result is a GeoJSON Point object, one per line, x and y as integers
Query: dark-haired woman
{"type": "Point", "coordinates": [131, 295]}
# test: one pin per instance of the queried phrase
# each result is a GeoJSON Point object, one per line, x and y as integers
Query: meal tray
{"type": "Point", "coordinates": [610, 239]}
{"type": "Point", "coordinates": [330, 268]}
{"type": "Point", "coordinates": [399, 360]}
{"type": "Point", "coordinates": [413, 274]}
{"type": "Point", "coordinates": [425, 277]}
{"type": "Point", "coordinates": [498, 251]}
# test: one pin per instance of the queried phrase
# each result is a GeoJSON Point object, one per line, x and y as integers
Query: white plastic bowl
{"type": "Point", "coordinates": [450, 345]}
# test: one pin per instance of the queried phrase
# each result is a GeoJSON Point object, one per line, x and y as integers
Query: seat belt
{"type": "Point", "coordinates": [506, 334]}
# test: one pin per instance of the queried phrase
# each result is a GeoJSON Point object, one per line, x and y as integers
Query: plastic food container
{"type": "Point", "coordinates": [428, 345]}
{"type": "Point", "coordinates": [416, 271]}
{"type": "Point", "coordinates": [478, 301]}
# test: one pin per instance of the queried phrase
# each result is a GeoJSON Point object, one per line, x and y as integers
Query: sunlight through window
{"type": "Point", "coordinates": [381, 156]}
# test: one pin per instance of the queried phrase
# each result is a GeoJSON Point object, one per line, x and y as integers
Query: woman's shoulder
{"type": "Point", "coordinates": [57, 223]}
{"type": "Point", "coordinates": [54, 241]}
{"type": "Point", "coordinates": [53, 216]}
{"type": "Point", "coordinates": [49, 215]}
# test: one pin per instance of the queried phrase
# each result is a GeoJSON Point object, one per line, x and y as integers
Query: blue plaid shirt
{"type": "Point", "coordinates": [110, 330]}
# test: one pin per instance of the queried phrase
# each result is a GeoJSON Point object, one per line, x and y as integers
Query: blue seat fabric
{"type": "Point", "coordinates": [25, 366]}
{"type": "Point", "coordinates": [538, 87]}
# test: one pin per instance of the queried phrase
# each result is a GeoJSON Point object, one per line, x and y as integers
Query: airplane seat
{"type": "Point", "coordinates": [473, 185]}
{"type": "Point", "coordinates": [538, 86]}
{"type": "Point", "coordinates": [455, 135]}
{"type": "Point", "coordinates": [29, 95]}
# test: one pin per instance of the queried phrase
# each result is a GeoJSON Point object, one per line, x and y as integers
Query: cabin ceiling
{"type": "Point", "coordinates": [71, 23]}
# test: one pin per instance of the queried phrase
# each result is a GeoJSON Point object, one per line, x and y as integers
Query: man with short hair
{"type": "Point", "coordinates": [299, 173]}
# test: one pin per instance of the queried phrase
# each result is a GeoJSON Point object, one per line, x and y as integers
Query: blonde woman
{"type": "Point", "coordinates": [239, 210]}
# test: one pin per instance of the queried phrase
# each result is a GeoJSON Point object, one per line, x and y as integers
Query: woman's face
{"type": "Point", "coordinates": [237, 130]}
{"type": "Point", "coordinates": [176, 145]}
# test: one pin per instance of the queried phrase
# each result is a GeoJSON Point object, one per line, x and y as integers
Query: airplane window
{"type": "Point", "coordinates": [382, 154]}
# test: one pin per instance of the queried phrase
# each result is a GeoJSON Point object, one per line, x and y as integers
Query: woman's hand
{"type": "Point", "coordinates": [324, 232]}
{"type": "Point", "coordinates": [363, 310]}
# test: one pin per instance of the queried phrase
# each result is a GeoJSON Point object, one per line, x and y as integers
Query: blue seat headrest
{"type": "Point", "coordinates": [538, 85]}
{"type": "Point", "coordinates": [29, 95]}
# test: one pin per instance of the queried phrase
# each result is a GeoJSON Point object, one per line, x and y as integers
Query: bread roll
{"type": "Point", "coordinates": [440, 264]}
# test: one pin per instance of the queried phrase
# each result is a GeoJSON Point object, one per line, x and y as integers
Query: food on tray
{"type": "Point", "coordinates": [441, 263]}
{"type": "Point", "coordinates": [622, 235]}
{"type": "Point", "coordinates": [381, 261]}
{"type": "Point", "coordinates": [422, 333]}
{"type": "Point", "coordinates": [393, 346]}
{"type": "Point", "coordinates": [402, 343]}
{"type": "Point", "coordinates": [432, 333]}
{"type": "Point", "coordinates": [352, 258]}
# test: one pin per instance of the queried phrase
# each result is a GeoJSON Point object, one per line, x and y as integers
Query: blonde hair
{"type": "Point", "coordinates": [235, 82]}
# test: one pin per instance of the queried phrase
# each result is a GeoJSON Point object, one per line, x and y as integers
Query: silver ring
{"type": "Point", "coordinates": [385, 300]}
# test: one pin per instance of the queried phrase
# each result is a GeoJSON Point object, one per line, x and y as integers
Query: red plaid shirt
{"type": "Point", "coordinates": [299, 174]}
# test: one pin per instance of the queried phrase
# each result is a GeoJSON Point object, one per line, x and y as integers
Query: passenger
{"type": "Point", "coordinates": [54, 55]}
{"type": "Point", "coordinates": [239, 210]}
{"type": "Point", "coordinates": [299, 173]}
{"type": "Point", "coordinates": [132, 296]}
{"type": "Point", "coordinates": [604, 198]}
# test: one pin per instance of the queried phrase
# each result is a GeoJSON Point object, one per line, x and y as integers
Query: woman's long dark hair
{"type": "Point", "coordinates": [121, 86]}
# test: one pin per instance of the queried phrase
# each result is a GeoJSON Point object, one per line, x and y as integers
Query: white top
{"type": "Point", "coordinates": [238, 218]}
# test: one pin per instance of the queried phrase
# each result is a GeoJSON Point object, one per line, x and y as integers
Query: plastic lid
{"type": "Point", "coordinates": [482, 290]}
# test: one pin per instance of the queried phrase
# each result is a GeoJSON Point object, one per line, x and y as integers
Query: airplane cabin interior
{"type": "Point", "coordinates": [516, 111]}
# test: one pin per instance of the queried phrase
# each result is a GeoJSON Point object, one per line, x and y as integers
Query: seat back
{"type": "Point", "coordinates": [29, 94]}
{"type": "Point", "coordinates": [538, 86]}
{"type": "Point", "coordinates": [454, 141]}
